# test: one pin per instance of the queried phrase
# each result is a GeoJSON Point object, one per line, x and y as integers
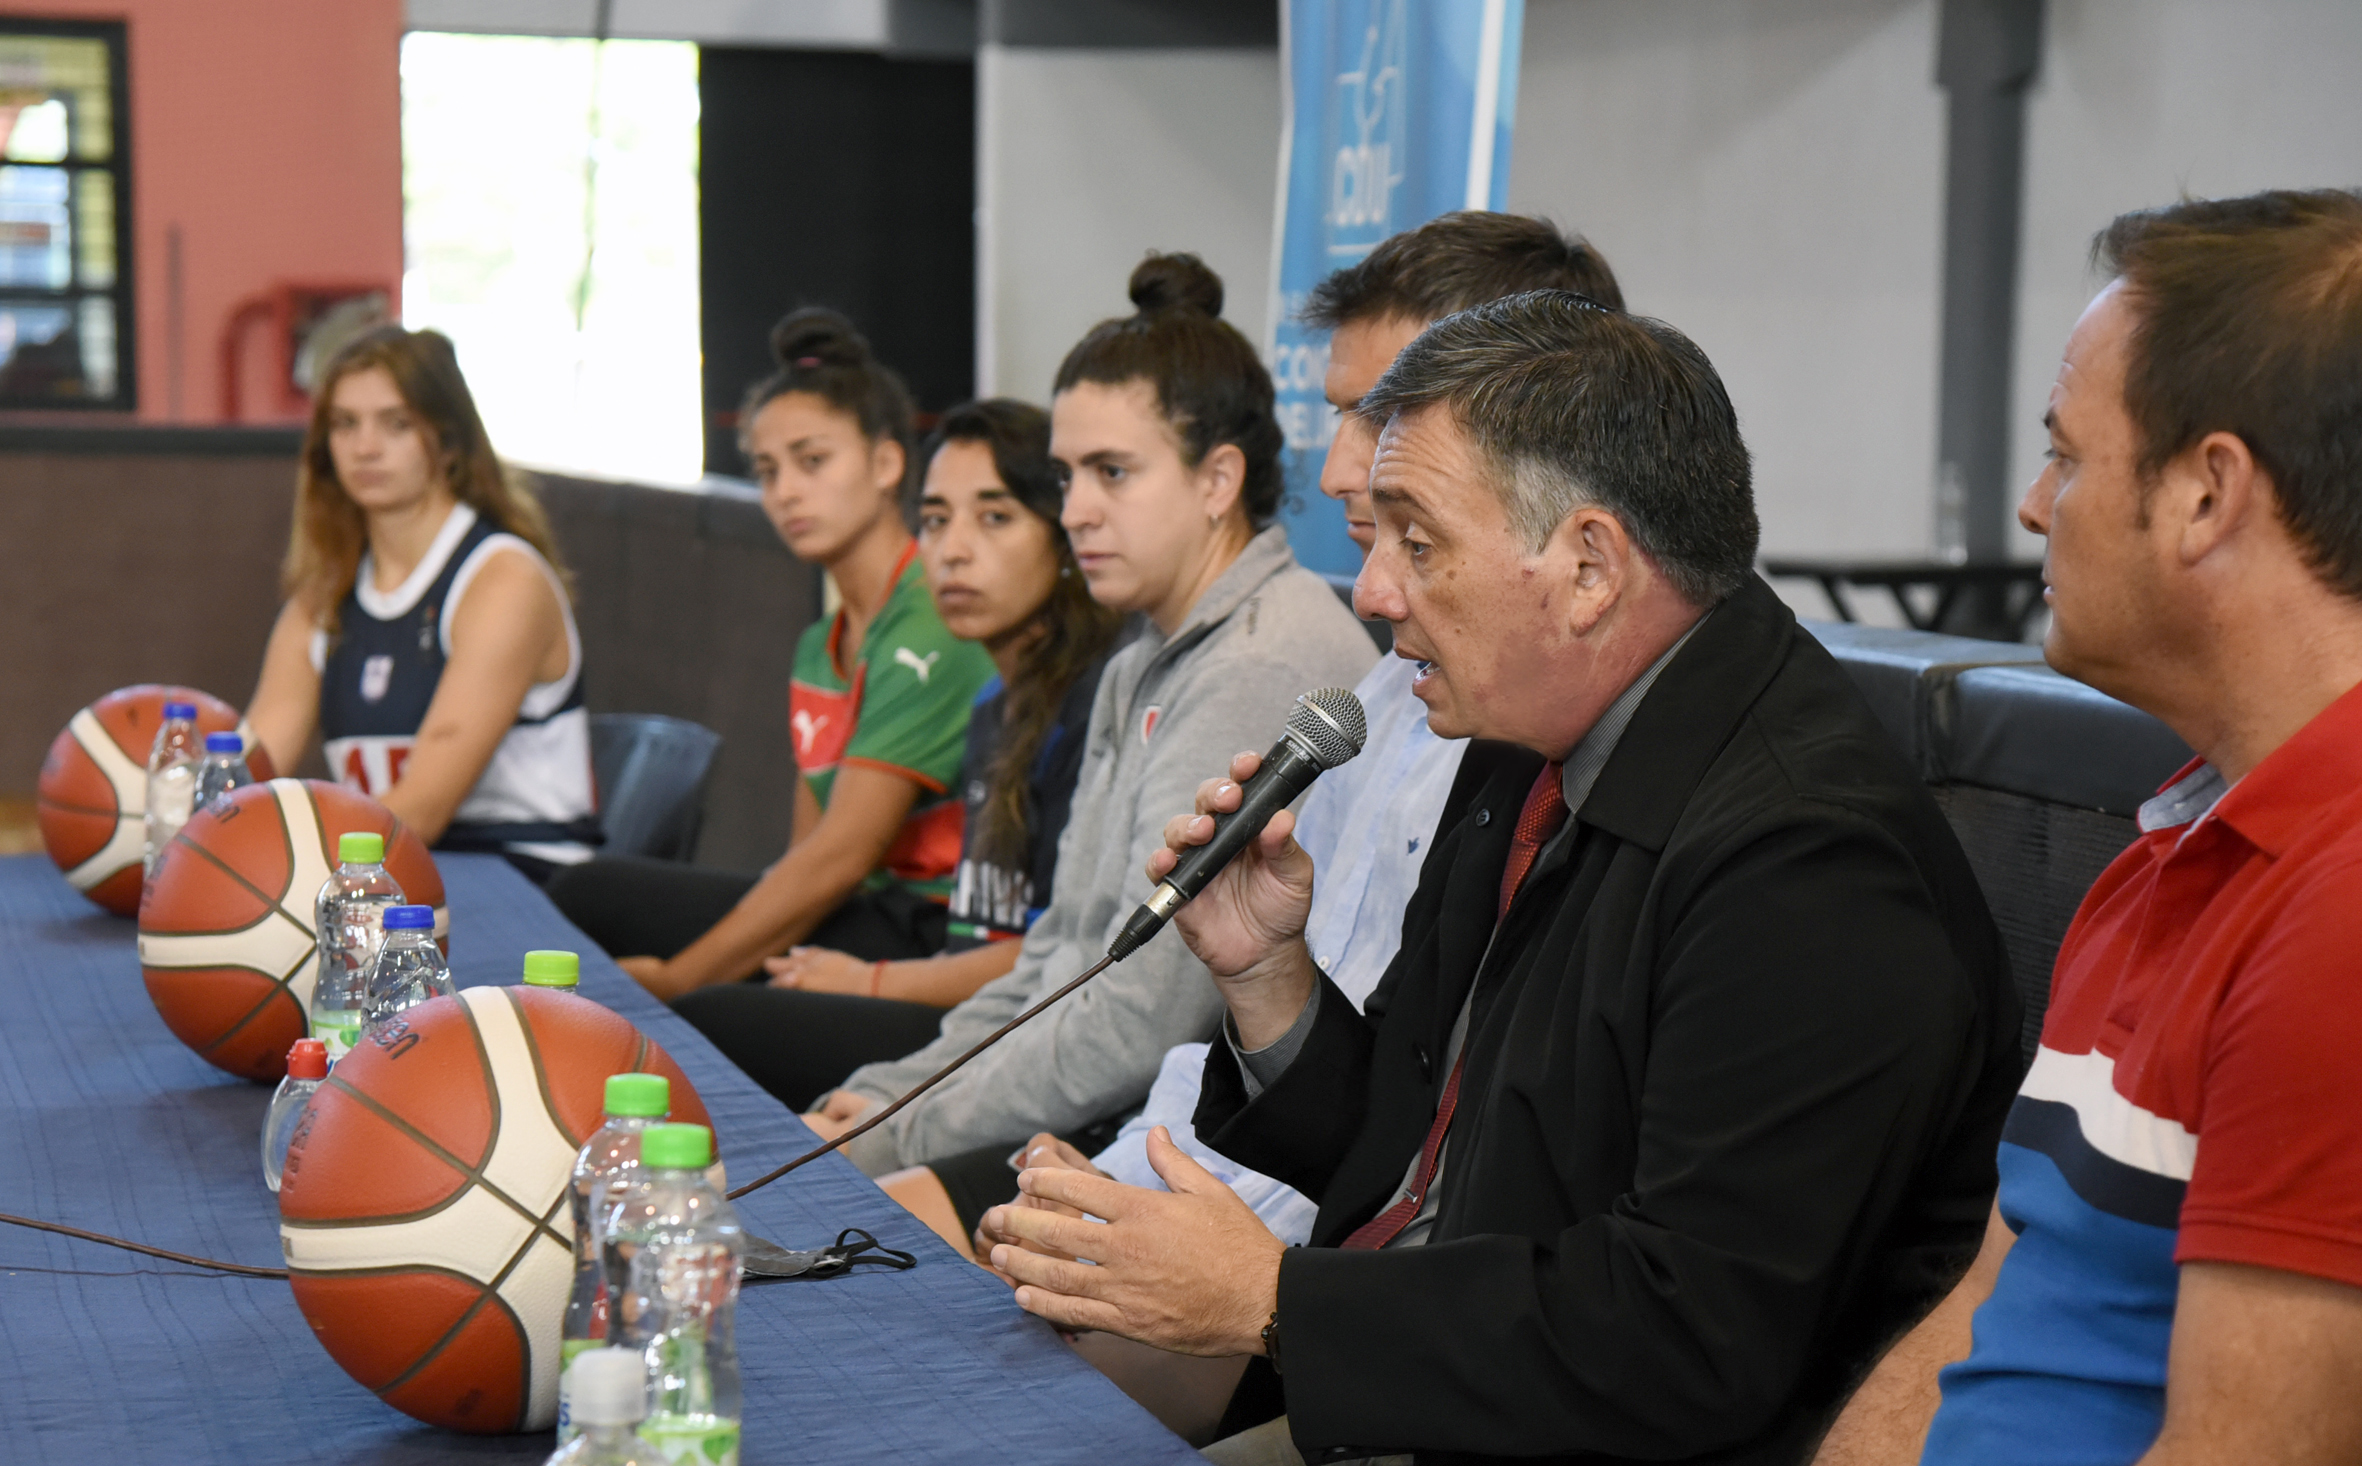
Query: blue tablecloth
{"type": "Point", "coordinates": [115, 1127]}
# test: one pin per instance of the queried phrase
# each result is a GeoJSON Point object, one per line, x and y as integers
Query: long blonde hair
{"type": "Point", "coordinates": [324, 545]}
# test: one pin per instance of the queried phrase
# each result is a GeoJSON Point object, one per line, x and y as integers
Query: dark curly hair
{"type": "Point", "coordinates": [1077, 632]}
{"type": "Point", "coordinates": [819, 352]}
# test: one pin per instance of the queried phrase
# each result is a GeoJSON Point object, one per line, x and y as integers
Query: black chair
{"type": "Point", "coordinates": [651, 772]}
{"type": "Point", "coordinates": [2039, 775]}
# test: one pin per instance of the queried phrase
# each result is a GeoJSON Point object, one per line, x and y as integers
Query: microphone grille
{"type": "Point", "coordinates": [1330, 724]}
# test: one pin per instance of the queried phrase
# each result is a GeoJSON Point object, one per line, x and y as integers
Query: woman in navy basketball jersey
{"type": "Point", "coordinates": [428, 635]}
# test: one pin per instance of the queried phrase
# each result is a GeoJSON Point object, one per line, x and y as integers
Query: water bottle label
{"type": "Point", "coordinates": [693, 1440]}
{"type": "Point", "coordinates": [338, 1030]}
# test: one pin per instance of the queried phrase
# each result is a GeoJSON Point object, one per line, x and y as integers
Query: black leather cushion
{"type": "Point", "coordinates": [2030, 731]}
{"type": "Point", "coordinates": [2038, 774]}
{"type": "Point", "coordinates": [1904, 674]}
{"type": "Point", "coordinates": [2035, 861]}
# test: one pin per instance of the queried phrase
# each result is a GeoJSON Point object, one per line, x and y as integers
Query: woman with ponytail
{"type": "Point", "coordinates": [877, 710]}
{"type": "Point", "coordinates": [1162, 426]}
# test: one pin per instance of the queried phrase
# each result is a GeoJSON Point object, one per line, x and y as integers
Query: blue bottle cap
{"type": "Point", "coordinates": [224, 743]}
{"type": "Point", "coordinates": [410, 918]}
{"type": "Point", "coordinates": [186, 710]}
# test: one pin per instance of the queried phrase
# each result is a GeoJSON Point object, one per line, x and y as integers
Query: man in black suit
{"type": "Point", "coordinates": [1681, 1099]}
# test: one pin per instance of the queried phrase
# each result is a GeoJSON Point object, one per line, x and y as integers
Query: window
{"type": "Point", "coordinates": [65, 268]}
{"type": "Point", "coordinates": [550, 226]}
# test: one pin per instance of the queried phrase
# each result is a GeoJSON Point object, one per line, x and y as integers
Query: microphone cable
{"type": "Point", "coordinates": [243, 1270]}
{"type": "Point", "coordinates": [1326, 729]}
{"type": "Point", "coordinates": [888, 1113]}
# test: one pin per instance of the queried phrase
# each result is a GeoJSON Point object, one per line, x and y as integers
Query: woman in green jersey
{"type": "Point", "coordinates": [878, 708]}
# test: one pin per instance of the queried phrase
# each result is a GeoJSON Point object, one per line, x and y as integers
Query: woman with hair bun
{"type": "Point", "coordinates": [1162, 423]}
{"type": "Point", "coordinates": [877, 709]}
{"type": "Point", "coordinates": [428, 636]}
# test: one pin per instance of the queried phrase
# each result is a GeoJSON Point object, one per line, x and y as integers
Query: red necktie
{"type": "Point", "coordinates": [1545, 811]}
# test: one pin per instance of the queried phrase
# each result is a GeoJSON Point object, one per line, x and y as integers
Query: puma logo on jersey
{"type": "Point", "coordinates": [807, 726]}
{"type": "Point", "coordinates": [377, 674]}
{"type": "Point", "coordinates": [904, 656]}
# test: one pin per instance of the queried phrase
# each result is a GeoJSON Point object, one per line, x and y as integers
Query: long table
{"type": "Point", "coordinates": [112, 1125]}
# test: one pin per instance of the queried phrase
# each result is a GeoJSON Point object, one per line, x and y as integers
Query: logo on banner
{"type": "Point", "coordinates": [1369, 119]}
{"type": "Point", "coordinates": [1395, 113]}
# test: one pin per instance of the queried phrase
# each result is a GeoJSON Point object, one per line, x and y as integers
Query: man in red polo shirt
{"type": "Point", "coordinates": [2173, 1271]}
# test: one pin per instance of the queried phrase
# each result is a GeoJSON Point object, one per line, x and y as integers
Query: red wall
{"type": "Point", "coordinates": [269, 133]}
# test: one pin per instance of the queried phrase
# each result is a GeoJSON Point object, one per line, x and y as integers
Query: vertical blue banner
{"type": "Point", "coordinates": [1395, 111]}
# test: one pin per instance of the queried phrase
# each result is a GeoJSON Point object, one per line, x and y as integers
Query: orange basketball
{"type": "Point", "coordinates": [424, 1213]}
{"type": "Point", "coordinates": [225, 932]}
{"type": "Point", "coordinates": [94, 786]}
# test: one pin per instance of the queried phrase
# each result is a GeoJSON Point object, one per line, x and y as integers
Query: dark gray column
{"type": "Point", "coordinates": [1987, 54]}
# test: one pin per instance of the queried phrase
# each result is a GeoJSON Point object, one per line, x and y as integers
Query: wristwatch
{"type": "Point", "coordinates": [1271, 1342]}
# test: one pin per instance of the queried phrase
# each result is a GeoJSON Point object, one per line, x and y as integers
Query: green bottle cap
{"type": "Point", "coordinates": [639, 1095]}
{"type": "Point", "coordinates": [361, 847]}
{"type": "Point", "coordinates": [552, 969]}
{"type": "Point", "coordinates": [677, 1147]}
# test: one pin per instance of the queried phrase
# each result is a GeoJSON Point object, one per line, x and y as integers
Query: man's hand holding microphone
{"type": "Point", "coordinates": [1192, 1269]}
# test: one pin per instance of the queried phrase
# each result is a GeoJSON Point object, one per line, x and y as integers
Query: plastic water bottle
{"type": "Point", "coordinates": [553, 970]}
{"type": "Point", "coordinates": [349, 918]}
{"type": "Point", "coordinates": [222, 769]}
{"type": "Point", "coordinates": [610, 1388]}
{"type": "Point", "coordinates": [172, 779]}
{"type": "Point", "coordinates": [408, 968]}
{"type": "Point", "coordinates": [673, 1248]}
{"type": "Point", "coordinates": [307, 1065]}
{"type": "Point", "coordinates": [602, 1173]}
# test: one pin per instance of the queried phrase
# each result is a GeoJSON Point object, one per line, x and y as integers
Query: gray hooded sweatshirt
{"type": "Point", "coordinates": [1169, 714]}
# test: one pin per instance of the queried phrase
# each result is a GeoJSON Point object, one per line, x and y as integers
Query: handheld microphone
{"type": "Point", "coordinates": [1327, 728]}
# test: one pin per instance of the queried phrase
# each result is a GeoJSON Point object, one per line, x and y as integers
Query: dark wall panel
{"type": "Point", "coordinates": [153, 556]}
{"type": "Point", "coordinates": [689, 605]}
{"type": "Point", "coordinates": [124, 566]}
{"type": "Point", "coordinates": [839, 179]}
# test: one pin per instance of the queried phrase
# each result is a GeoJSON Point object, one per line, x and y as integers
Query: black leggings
{"type": "Point", "coordinates": [795, 1044]}
{"type": "Point", "coordinates": [634, 907]}
{"type": "Point", "coordinates": [798, 1045]}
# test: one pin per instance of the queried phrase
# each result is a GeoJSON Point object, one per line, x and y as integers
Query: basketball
{"type": "Point", "coordinates": [225, 932]}
{"type": "Point", "coordinates": [424, 1212]}
{"type": "Point", "coordinates": [93, 796]}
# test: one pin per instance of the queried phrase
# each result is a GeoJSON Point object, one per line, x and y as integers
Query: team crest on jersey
{"type": "Point", "coordinates": [1148, 723]}
{"type": "Point", "coordinates": [377, 674]}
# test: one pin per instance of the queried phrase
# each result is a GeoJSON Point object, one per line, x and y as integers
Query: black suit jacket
{"type": "Point", "coordinates": [1737, 1067]}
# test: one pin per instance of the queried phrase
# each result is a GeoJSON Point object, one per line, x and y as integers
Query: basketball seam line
{"type": "Point", "coordinates": [279, 985]}
{"type": "Point", "coordinates": [490, 1294]}
{"type": "Point", "coordinates": [549, 1101]}
{"type": "Point", "coordinates": [473, 1174]}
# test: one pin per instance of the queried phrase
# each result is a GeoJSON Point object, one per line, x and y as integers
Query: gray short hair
{"type": "Point", "coordinates": [1574, 406]}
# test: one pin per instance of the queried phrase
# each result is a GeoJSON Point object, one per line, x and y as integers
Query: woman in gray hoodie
{"type": "Point", "coordinates": [1163, 423]}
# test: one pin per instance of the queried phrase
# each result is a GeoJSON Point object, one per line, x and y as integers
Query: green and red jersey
{"type": "Point", "coordinates": [902, 706]}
